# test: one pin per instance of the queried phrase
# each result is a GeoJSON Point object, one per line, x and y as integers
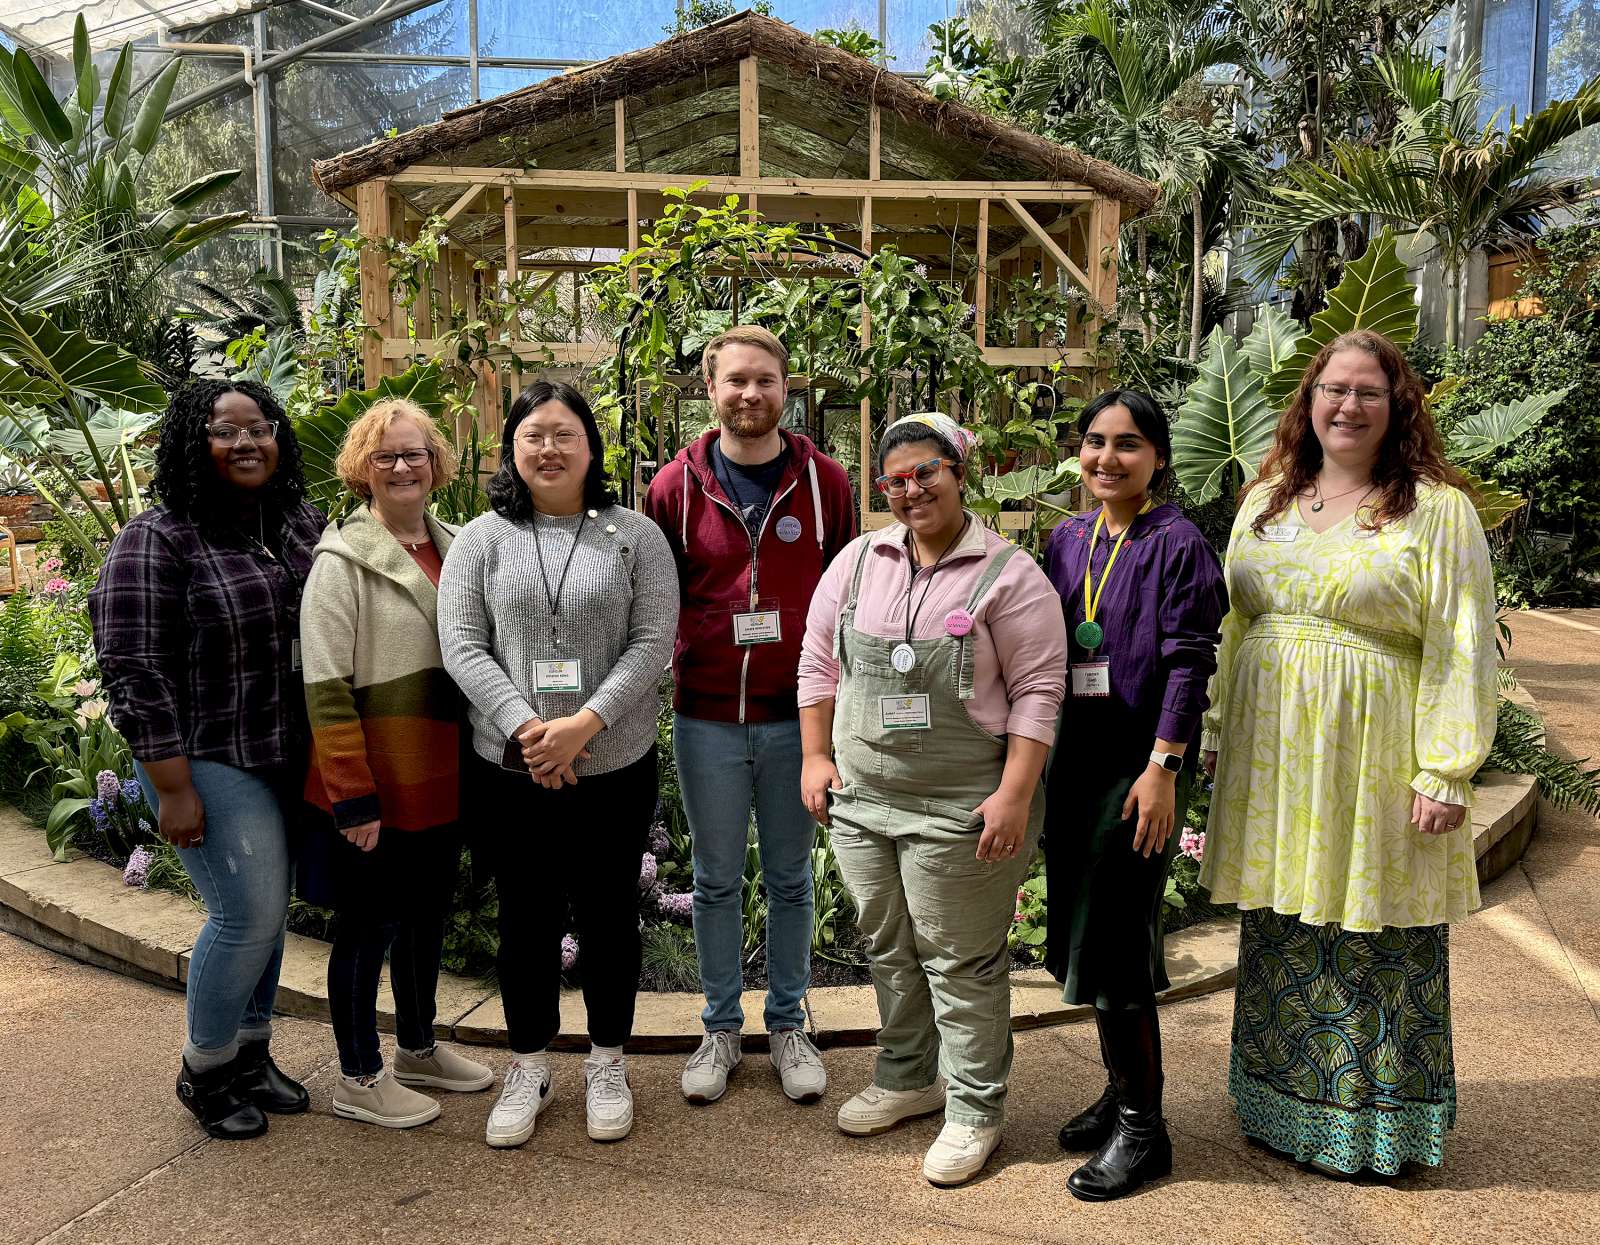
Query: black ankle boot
{"type": "Point", "coordinates": [221, 1112]}
{"type": "Point", "coordinates": [261, 1081]}
{"type": "Point", "coordinates": [1138, 1149]}
{"type": "Point", "coordinates": [1091, 1128]}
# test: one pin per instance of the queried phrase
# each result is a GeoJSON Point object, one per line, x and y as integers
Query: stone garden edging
{"type": "Point", "coordinates": [81, 908]}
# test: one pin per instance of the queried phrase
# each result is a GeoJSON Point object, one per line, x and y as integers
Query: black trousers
{"type": "Point", "coordinates": [579, 847]}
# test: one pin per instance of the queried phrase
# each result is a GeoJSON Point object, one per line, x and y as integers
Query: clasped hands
{"type": "Point", "coordinates": [1428, 815]}
{"type": "Point", "coordinates": [549, 749]}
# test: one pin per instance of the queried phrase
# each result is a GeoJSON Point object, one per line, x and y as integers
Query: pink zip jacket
{"type": "Point", "coordinates": [721, 570]}
{"type": "Point", "coordinates": [1020, 670]}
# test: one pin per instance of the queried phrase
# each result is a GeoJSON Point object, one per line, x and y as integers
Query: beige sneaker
{"type": "Point", "coordinates": [442, 1069]}
{"type": "Point", "coordinates": [385, 1102]}
{"type": "Point", "coordinates": [959, 1153]}
{"type": "Point", "coordinates": [875, 1110]}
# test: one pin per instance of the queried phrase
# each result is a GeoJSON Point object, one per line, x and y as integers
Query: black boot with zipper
{"type": "Point", "coordinates": [1138, 1149]}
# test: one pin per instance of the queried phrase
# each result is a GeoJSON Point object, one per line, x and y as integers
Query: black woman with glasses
{"type": "Point", "coordinates": [196, 626]}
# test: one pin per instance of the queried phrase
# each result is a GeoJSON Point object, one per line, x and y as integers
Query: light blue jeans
{"type": "Point", "coordinates": [724, 768]}
{"type": "Point", "coordinates": [241, 869]}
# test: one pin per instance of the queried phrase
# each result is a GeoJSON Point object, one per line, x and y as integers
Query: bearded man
{"type": "Point", "coordinates": [754, 514]}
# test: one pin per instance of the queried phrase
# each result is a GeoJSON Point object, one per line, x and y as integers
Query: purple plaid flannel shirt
{"type": "Point", "coordinates": [198, 640]}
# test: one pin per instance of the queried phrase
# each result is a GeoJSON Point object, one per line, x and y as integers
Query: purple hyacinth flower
{"type": "Point", "coordinates": [107, 785]}
{"type": "Point", "coordinates": [132, 792]}
{"type": "Point", "coordinates": [137, 871]}
{"type": "Point", "coordinates": [647, 872]}
{"type": "Point", "coordinates": [98, 814]}
{"type": "Point", "coordinates": [659, 842]}
{"type": "Point", "coordinates": [677, 905]}
{"type": "Point", "coordinates": [569, 953]}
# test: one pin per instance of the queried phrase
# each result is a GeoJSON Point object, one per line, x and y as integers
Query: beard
{"type": "Point", "coordinates": [751, 422]}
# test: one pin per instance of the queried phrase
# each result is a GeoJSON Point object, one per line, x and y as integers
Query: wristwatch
{"type": "Point", "coordinates": [1169, 761]}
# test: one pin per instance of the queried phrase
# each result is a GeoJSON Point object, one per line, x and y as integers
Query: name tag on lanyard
{"type": "Point", "coordinates": [904, 713]}
{"type": "Point", "coordinates": [558, 676]}
{"type": "Point", "coordinates": [757, 627]}
{"type": "Point", "coordinates": [1091, 678]}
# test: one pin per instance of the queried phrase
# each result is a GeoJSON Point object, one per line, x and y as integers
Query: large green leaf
{"type": "Point", "coordinates": [37, 104]}
{"type": "Point", "coordinates": [202, 188]}
{"type": "Point", "coordinates": [1028, 484]}
{"type": "Point", "coordinates": [322, 433]}
{"type": "Point", "coordinates": [1271, 342]}
{"type": "Point", "coordinates": [1374, 294]}
{"type": "Point", "coordinates": [58, 828]}
{"type": "Point", "coordinates": [88, 77]}
{"type": "Point", "coordinates": [73, 362]}
{"type": "Point", "coordinates": [1225, 425]}
{"type": "Point", "coordinates": [19, 388]}
{"type": "Point", "coordinates": [1494, 504]}
{"type": "Point", "coordinates": [1483, 432]}
{"type": "Point", "coordinates": [117, 90]}
{"type": "Point", "coordinates": [147, 125]}
{"type": "Point", "coordinates": [277, 366]}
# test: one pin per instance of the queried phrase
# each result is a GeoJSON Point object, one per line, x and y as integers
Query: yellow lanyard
{"type": "Point", "coordinates": [1092, 596]}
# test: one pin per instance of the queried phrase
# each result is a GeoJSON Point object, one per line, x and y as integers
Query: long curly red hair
{"type": "Point", "coordinates": [1412, 451]}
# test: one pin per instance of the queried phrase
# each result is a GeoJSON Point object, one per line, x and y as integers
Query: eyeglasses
{"type": "Point", "coordinates": [384, 460]}
{"type": "Point", "coordinates": [228, 434]}
{"type": "Point", "coordinates": [566, 440]}
{"type": "Point", "coordinates": [1338, 393]}
{"type": "Point", "coordinates": [925, 474]}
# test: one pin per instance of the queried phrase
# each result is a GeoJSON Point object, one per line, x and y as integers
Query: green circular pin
{"type": "Point", "coordinates": [1088, 635]}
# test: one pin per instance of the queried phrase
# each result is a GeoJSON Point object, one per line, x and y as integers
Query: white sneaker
{"type": "Point", "coordinates": [705, 1077]}
{"type": "Point", "coordinates": [959, 1153]}
{"type": "Point", "coordinates": [511, 1121]}
{"type": "Point", "coordinates": [799, 1065]}
{"type": "Point", "coordinates": [610, 1100]}
{"type": "Point", "coordinates": [876, 1110]}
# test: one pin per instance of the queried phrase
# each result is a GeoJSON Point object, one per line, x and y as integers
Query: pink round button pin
{"type": "Point", "coordinates": [958, 622]}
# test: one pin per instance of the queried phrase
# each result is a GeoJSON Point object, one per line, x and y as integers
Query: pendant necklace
{"type": "Point", "coordinates": [1089, 634]}
{"type": "Point", "coordinates": [903, 657]}
{"type": "Point", "coordinates": [1316, 506]}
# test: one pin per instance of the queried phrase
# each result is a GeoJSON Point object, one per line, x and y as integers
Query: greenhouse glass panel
{"type": "Point", "coordinates": [494, 82]}
{"type": "Point", "coordinates": [1573, 57]}
{"type": "Point", "coordinates": [577, 30]}
{"type": "Point", "coordinates": [439, 30]}
{"type": "Point", "coordinates": [1508, 34]}
{"type": "Point", "coordinates": [219, 134]}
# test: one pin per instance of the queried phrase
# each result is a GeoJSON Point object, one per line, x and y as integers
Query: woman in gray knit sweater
{"type": "Point", "coordinates": [557, 613]}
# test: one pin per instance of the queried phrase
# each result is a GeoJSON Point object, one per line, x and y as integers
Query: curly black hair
{"type": "Point", "coordinates": [186, 479]}
{"type": "Point", "coordinates": [508, 492]}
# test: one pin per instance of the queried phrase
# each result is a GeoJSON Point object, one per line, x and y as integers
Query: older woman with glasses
{"type": "Point", "coordinates": [385, 777]}
{"type": "Point", "coordinates": [933, 667]}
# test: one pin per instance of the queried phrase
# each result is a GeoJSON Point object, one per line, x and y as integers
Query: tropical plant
{"type": "Point", "coordinates": [1461, 185]}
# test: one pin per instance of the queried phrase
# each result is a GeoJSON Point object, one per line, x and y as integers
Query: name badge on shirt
{"type": "Point", "coordinates": [904, 713]}
{"type": "Point", "coordinates": [1091, 678]}
{"type": "Point", "coordinates": [294, 654]}
{"type": "Point", "coordinates": [1282, 533]}
{"type": "Point", "coordinates": [757, 627]}
{"type": "Point", "coordinates": [558, 676]}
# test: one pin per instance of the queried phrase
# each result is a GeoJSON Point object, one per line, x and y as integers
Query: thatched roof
{"type": "Point", "coordinates": [575, 100]}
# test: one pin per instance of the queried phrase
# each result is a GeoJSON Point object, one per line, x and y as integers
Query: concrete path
{"type": "Point", "coordinates": [93, 1147]}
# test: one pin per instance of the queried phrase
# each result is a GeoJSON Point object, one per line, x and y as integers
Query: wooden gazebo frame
{"type": "Point", "coordinates": [749, 106]}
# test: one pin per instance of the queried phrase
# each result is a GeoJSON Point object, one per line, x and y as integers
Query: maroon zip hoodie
{"type": "Point", "coordinates": [720, 565]}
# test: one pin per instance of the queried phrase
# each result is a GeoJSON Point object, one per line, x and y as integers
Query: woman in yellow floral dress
{"type": "Point", "coordinates": [1353, 701]}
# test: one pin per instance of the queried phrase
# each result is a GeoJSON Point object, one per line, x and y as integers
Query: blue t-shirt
{"type": "Point", "coordinates": [749, 486]}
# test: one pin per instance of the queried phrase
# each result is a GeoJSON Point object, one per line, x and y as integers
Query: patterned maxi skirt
{"type": "Point", "coordinates": [1341, 1042]}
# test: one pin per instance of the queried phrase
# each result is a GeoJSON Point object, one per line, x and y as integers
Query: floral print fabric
{"type": "Point", "coordinates": [1357, 668]}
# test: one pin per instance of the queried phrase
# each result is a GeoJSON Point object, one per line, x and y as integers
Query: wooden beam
{"type": "Point", "coordinates": [619, 114]}
{"type": "Point", "coordinates": [512, 325]}
{"type": "Point", "coordinates": [749, 118]}
{"type": "Point", "coordinates": [560, 353]}
{"type": "Point", "coordinates": [865, 471]}
{"type": "Point", "coordinates": [1051, 247]}
{"type": "Point", "coordinates": [1105, 224]}
{"type": "Point", "coordinates": [874, 142]}
{"type": "Point", "coordinates": [372, 219]}
{"type": "Point", "coordinates": [1036, 356]}
{"type": "Point", "coordinates": [980, 327]}
{"type": "Point", "coordinates": [468, 198]}
{"type": "Point", "coordinates": [633, 237]}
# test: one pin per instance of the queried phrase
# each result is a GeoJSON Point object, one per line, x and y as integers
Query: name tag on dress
{"type": "Point", "coordinates": [558, 676]}
{"type": "Point", "coordinates": [757, 627]}
{"type": "Point", "coordinates": [1281, 533]}
{"type": "Point", "coordinates": [294, 654]}
{"type": "Point", "coordinates": [1091, 678]}
{"type": "Point", "coordinates": [904, 713]}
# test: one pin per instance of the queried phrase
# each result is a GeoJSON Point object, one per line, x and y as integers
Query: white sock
{"type": "Point", "coordinates": [605, 1054]}
{"type": "Point", "coordinates": [538, 1061]}
{"type": "Point", "coordinates": [362, 1082]}
{"type": "Point", "coordinates": [426, 1053]}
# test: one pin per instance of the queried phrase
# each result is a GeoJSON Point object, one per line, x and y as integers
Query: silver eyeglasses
{"type": "Point", "coordinates": [566, 440]}
{"type": "Point", "coordinates": [1338, 393]}
{"type": "Point", "coordinates": [229, 434]}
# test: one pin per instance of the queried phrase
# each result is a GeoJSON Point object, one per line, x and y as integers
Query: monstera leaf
{"type": "Point", "coordinates": [1225, 425]}
{"type": "Point", "coordinates": [322, 433]}
{"type": "Point", "coordinates": [1374, 294]}
{"type": "Point", "coordinates": [1271, 342]}
{"type": "Point", "coordinates": [1028, 484]}
{"type": "Point", "coordinates": [1482, 433]}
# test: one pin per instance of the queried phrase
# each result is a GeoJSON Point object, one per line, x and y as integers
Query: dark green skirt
{"type": "Point", "coordinates": [1104, 941]}
{"type": "Point", "coordinates": [1341, 1042]}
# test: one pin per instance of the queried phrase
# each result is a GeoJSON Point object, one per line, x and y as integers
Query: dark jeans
{"type": "Point", "coordinates": [392, 899]}
{"type": "Point", "coordinates": [579, 846]}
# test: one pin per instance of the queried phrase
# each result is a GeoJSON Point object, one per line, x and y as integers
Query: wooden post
{"type": "Point", "coordinates": [874, 142]}
{"type": "Point", "coordinates": [866, 340]}
{"type": "Point", "coordinates": [619, 116]}
{"type": "Point", "coordinates": [980, 326]}
{"type": "Point", "coordinates": [513, 328]}
{"type": "Point", "coordinates": [750, 122]}
{"type": "Point", "coordinates": [372, 219]}
{"type": "Point", "coordinates": [1105, 227]}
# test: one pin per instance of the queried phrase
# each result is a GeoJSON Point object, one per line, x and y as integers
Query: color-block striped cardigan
{"type": "Point", "coordinates": [385, 717]}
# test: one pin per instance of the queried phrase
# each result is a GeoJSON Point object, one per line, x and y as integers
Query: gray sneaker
{"type": "Point", "coordinates": [799, 1065]}
{"type": "Point", "coordinates": [442, 1068]}
{"type": "Point", "coordinates": [705, 1077]}
{"type": "Point", "coordinates": [385, 1102]}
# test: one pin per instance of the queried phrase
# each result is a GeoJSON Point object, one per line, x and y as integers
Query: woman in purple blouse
{"type": "Point", "coordinates": [1144, 599]}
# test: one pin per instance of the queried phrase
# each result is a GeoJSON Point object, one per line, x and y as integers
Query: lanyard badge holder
{"type": "Point", "coordinates": [758, 626]}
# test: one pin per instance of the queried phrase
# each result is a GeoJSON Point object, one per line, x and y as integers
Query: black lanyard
{"type": "Point", "coordinates": [927, 585]}
{"type": "Point", "coordinates": [553, 600]}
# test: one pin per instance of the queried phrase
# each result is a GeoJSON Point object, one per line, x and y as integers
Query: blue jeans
{"type": "Point", "coordinates": [722, 768]}
{"type": "Point", "coordinates": [241, 869]}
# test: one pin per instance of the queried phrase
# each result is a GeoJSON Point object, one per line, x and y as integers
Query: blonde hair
{"type": "Point", "coordinates": [365, 435]}
{"type": "Point", "coordinates": [746, 335]}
